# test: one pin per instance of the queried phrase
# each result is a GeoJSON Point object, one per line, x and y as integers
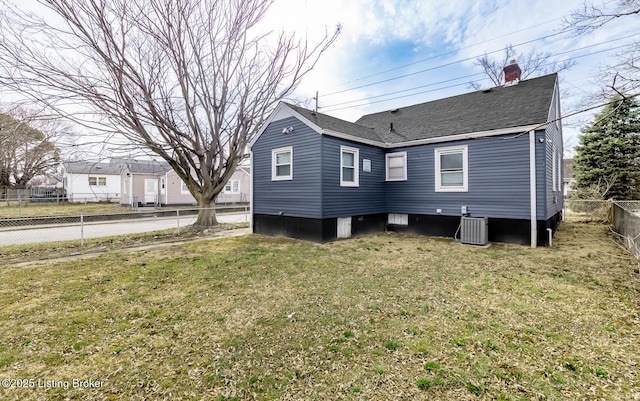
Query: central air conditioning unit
{"type": "Point", "coordinates": [474, 230]}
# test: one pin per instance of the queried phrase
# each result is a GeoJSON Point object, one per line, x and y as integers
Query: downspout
{"type": "Point", "coordinates": [251, 184]}
{"type": "Point", "coordinates": [532, 188]}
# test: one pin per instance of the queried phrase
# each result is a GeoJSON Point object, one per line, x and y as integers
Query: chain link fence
{"type": "Point", "coordinates": [586, 210]}
{"type": "Point", "coordinates": [624, 216]}
{"type": "Point", "coordinates": [82, 226]}
{"type": "Point", "coordinates": [626, 221]}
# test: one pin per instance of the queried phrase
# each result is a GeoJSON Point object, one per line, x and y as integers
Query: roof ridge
{"type": "Point", "coordinates": [485, 90]}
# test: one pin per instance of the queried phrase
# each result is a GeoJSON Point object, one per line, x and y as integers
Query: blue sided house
{"type": "Point", "coordinates": [489, 160]}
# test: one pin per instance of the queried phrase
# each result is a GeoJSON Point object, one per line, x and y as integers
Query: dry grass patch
{"type": "Point", "coordinates": [375, 318]}
{"type": "Point", "coordinates": [35, 209]}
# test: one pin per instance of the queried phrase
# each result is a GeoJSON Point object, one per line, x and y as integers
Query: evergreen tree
{"type": "Point", "coordinates": [608, 157]}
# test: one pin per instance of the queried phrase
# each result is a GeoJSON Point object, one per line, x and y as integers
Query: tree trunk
{"type": "Point", "coordinates": [206, 214]}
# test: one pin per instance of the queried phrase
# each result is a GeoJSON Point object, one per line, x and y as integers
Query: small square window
{"type": "Point", "coordinates": [396, 166]}
{"type": "Point", "coordinates": [282, 164]}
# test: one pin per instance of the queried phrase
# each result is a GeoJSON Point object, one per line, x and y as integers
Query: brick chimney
{"type": "Point", "coordinates": [512, 73]}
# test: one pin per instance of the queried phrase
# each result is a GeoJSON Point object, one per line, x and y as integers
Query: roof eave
{"type": "Point", "coordinates": [471, 135]}
{"type": "Point", "coordinates": [448, 138]}
{"type": "Point", "coordinates": [353, 138]}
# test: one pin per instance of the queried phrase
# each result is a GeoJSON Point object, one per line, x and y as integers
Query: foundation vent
{"type": "Point", "coordinates": [474, 230]}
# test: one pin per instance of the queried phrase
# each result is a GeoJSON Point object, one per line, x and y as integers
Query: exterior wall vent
{"type": "Point", "coordinates": [474, 230]}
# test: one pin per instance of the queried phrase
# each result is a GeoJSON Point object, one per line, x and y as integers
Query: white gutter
{"type": "Point", "coordinates": [440, 139]}
{"type": "Point", "coordinates": [532, 187]}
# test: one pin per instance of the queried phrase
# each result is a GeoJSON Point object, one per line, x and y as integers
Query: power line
{"type": "Point", "coordinates": [436, 67]}
{"type": "Point", "coordinates": [465, 83]}
{"type": "Point", "coordinates": [450, 52]}
{"type": "Point", "coordinates": [405, 90]}
{"type": "Point", "coordinates": [462, 60]}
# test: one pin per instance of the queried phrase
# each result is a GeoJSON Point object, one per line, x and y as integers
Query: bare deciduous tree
{"type": "Point", "coordinates": [592, 17]}
{"type": "Point", "coordinates": [532, 63]}
{"type": "Point", "coordinates": [27, 147]}
{"type": "Point", "coordinates": [625, 73]}
{"type": "Point", "coordinates": [190, 80]}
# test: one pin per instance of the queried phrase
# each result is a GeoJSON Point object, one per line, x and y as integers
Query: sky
{"type": "Point", "coordinates": [393, 53]}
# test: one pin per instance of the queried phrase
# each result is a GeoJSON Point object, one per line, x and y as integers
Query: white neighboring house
{"type": "Point", "coordinates": [238, 188]}
{"type": "Point", "coordinates": [92, 181]}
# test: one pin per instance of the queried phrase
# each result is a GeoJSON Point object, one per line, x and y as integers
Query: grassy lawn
{"type": "Point", "coordinates": [385, 317]}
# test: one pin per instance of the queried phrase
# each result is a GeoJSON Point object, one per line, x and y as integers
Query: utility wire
{"type": "Point", "coordinates": [331, 107]}
{"type": "Point", "coordinates": [438, 66]}
{"type": "Point", "coordinates": [461, 61]}
{"type": "Point", "coordinates": [449, 52]}
{"type": "Point", "coordinates": [597, 106]}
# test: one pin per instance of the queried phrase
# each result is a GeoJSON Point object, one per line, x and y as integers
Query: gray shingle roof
{"type": "Point", "coordinates": [82, 167]}
{"type": "Point", "coordinates": [336, 124]}
{"type": "Point", "coordinates": [148, 166]}
{"type": "Point", "coordinates": [524, 104]}
{"type": "Point", "coordinates": [519, 105]}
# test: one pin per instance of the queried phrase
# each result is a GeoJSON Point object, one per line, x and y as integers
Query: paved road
{"type": "Point", "coordinates": [31, 235]}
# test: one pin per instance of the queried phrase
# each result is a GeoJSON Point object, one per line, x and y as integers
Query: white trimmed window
{"type": "Point", "coordinates": [282, 164]}
{"type": "Point", "coordinates": [232, 187]}
{"type": "Point", "coordinates": [396, 166]}
{"type": "Point", "coordinates": [451, 169]}
{"type": "Point", "coordinates": [184, 190]}
{"type": "Point", "coordinates": [349, 161]}
{"type": "Point", "coordinates": [559, 171]}
{"type": "Point", "coordinates": [97, 181]}
{"type": "Point", "coordinates": [554, 174]}
{"type": "Point", "coordinates": [556, 169]}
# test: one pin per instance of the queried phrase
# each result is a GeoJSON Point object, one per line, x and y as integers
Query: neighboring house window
{"type": "Point", "coordinates": [232, 187]}
{"type": "Point", "coordinates": [451, 169]}
{"type": "Point", "coordinates": [349, 160]}
{"type": "Point", "coordinates": [183, 188]}
{"type": "Point", "coordinates": [282, 164]}
{"type": "Point", "coordinates": [101, 181]}
{"type": "Point", "coordinates": [397, 166]}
